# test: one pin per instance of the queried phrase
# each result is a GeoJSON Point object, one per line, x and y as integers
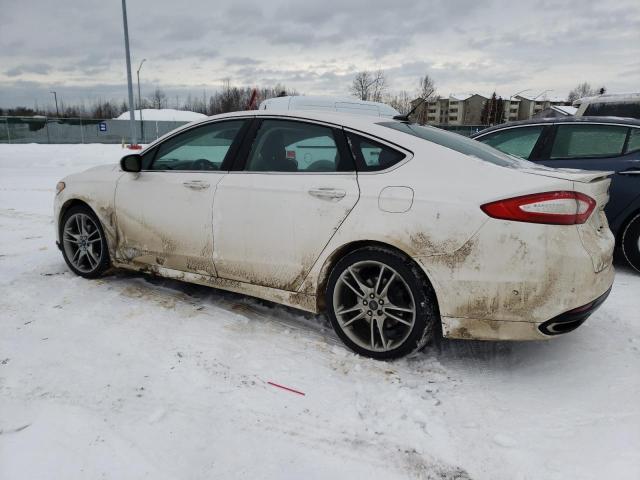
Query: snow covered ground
{"type": "Point", "coordinates": [132, 377]}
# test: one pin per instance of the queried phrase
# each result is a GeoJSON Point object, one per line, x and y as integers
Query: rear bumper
{"type": "Point", "coordinates": [481, 329]}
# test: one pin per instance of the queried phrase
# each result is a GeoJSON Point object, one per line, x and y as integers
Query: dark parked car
{"type": "Point", "coordinates": [588, 143]}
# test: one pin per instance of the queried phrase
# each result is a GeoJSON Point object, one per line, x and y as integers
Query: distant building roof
{"type": "Point", "coordinates": [461, 96]}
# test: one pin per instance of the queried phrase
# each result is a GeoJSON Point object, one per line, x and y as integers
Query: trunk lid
{"type": "Point", "coordinates": [595, 235]}
{"type": "Point", "coordinates": [571, 174]}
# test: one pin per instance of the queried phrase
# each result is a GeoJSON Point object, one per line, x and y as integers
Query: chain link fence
{"type": "Point", "coordinates": [82, 130]}
{"type": "Point", "coordinates": [79, 130]}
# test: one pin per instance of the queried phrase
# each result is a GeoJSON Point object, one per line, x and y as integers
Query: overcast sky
{"type": "Point", "coordinates": [76, 47]}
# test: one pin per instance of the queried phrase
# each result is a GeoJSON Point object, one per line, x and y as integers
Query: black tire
{"type": "Point", "coordinates": [103, 261]}
{"type": "Point", "coordinates": [424, 303]}
{"type": "Point", "coordinates": [631, 242]}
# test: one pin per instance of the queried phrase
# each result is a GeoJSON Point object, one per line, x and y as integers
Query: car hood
{"type": "Point", "coordinates": [102, 168]}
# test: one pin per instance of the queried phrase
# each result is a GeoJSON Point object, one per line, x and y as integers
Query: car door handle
{"type": "Point", "coordinates": [631, 171]}
{"type": "Point", "coordinates": [327, 193]}
{"type": "Point", "coordinates": [196, 185]}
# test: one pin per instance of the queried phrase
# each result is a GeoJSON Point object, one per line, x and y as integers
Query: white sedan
{"type": "Point", "coordinates": [398, 232]}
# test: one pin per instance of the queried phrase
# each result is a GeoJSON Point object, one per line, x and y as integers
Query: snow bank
{"type": "Point", "coordinates": [130, 377]}
{"type": "Point", "coordinates": [164, 114]}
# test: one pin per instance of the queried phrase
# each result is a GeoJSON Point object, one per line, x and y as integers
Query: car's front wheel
{"type": "Point", "coordinates": [380, 304]}
{"type": "Point", "coordinates": [631, 242]}
{"type": "Point", "coordinates": [84, 245]}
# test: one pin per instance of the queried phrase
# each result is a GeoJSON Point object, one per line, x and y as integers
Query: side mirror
{"type": "Point", "coordinates": [131, 163]}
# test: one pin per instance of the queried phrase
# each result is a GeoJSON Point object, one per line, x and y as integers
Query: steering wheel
{"type": "Point", "coordinates": [202, 164]}
{"type": "Point", "coordinates": [321, 166]}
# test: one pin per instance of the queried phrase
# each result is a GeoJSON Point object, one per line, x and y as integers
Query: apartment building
{"type": "Point", "coordinates": [466, 108]}
{"type": "Point", "coordinates": [457, 109]}
{"type": "Point", "coordinates": [532, 105]}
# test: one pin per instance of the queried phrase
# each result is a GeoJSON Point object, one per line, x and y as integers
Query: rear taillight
{"type": "Point", "coordinates": [556, 208]}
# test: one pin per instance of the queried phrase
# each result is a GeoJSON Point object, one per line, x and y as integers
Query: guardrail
{"type": "Point", "coordinates": [79, 130]}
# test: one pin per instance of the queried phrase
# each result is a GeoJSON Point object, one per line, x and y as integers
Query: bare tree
{"type": "Point", "coordinates": [158, 99]}
{"type": "Point", "coordinates": [379, 86]}
{"type": "Point", "coordinates": [401, 101]}
{"type": "Point", "coordinates": [582, 90]}
{"type": "Point", "coordinates": [369, 86]}
{"type": "Point", "coordinates": [426, 92]}
{"type": "Point", "coordinates": [427, 87]}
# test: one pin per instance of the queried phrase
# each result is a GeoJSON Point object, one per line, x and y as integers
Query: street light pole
{"type": "Point", "coordinates": [134, 140]}
{"type": "Point", "coordinates": [140, 102]}
{"type": "Point", "coordinates": [515, 95]}
{"type": "Point", "coordinates": [542, 93]}
{"type": "Point", "coordinates": [55, 97]}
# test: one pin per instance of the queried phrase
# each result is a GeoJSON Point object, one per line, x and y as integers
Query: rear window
{"type": "Point", "coordinates": [460, 144]}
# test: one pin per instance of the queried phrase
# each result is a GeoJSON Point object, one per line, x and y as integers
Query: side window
{"type": "Point", "coordinates": [633, 145]}
{"type": "Point", "coordinates": [291, 146]}
{"type": "Point", "coordinates": [372, 156]}
{"type": "Point", "coordinates": [515, 141]}
{"type": "Point", "coordinates": [582, 141]}
{"type": "Point", "coordinates": [613, 109]}
{"type": "Point", "coordinates": [201, 148]}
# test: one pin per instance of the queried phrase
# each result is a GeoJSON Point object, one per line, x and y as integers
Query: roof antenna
{"type": "Point", "coordinates": [405, 118]}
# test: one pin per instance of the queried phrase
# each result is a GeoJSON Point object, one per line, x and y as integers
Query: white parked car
{"type": "Point", "coordinates": [322, 103]}
{"type": "Point", "coordinates": [396, 231]}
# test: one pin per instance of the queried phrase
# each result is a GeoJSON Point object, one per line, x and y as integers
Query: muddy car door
{"type": "Point", "coordinates": [292, 170]}
{"type": "Point", "coordinates": [164, 212]}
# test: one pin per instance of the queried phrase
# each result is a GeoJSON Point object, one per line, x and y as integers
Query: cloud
{"type": "Point", "coordinates": [316, 47]}
{"type": "Point", "coordinates": [241, 61]}
{"type": "Point", "coordinates": [37, 68]}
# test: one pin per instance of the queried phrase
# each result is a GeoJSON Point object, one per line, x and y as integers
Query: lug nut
{"type": "Point", "coordinates": [371, 296]}
{"type": "Point", "coordinates": [364, 302]}
{"type": "Point", "coordinates": [369, 312]}
{"type": "Point", "coordinates": [380, 302]}
{"type": "Point", "coordinates": [379, 312]}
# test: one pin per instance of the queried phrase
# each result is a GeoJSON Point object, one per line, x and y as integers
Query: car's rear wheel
{"type": "Point", "coordinates": [631, 242]}
{"type": "Point", "coordinates": [380, 304]}
{"type": "Point", "coordinates": [84, 245]}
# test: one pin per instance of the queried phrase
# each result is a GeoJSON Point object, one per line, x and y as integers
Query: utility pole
{"type": "Point", "coordinates": [132, 118]}
{"type": "Point", "coordinates": [55, 97]}
{"type": "Point", "coordinates": [511, 98]}
{"type": "Point", "coordinates": [140, 102]}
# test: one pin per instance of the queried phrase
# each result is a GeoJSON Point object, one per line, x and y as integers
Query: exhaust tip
{"type": "Point", "coordinates": [569, 321]}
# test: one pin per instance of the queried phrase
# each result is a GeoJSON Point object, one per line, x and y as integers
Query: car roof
{"type": "Point", "coordinates": [355, 121]}
{"type": "Point", "coordinates": [568, 119]}
{"type": "Point", "coordinates": [352, 120]}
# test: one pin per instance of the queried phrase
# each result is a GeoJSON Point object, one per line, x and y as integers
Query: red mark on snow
{"type": "Point", "coordinates": [286, 388]}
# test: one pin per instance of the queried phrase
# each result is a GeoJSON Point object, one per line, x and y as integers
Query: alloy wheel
{"type": "Point", "coordinates": [82, 242]}
{"type": "Point", "coordinates": [374, 306]}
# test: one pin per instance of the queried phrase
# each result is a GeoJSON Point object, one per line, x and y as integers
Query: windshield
{"type": "Point", "coordinates": [460, 144]}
